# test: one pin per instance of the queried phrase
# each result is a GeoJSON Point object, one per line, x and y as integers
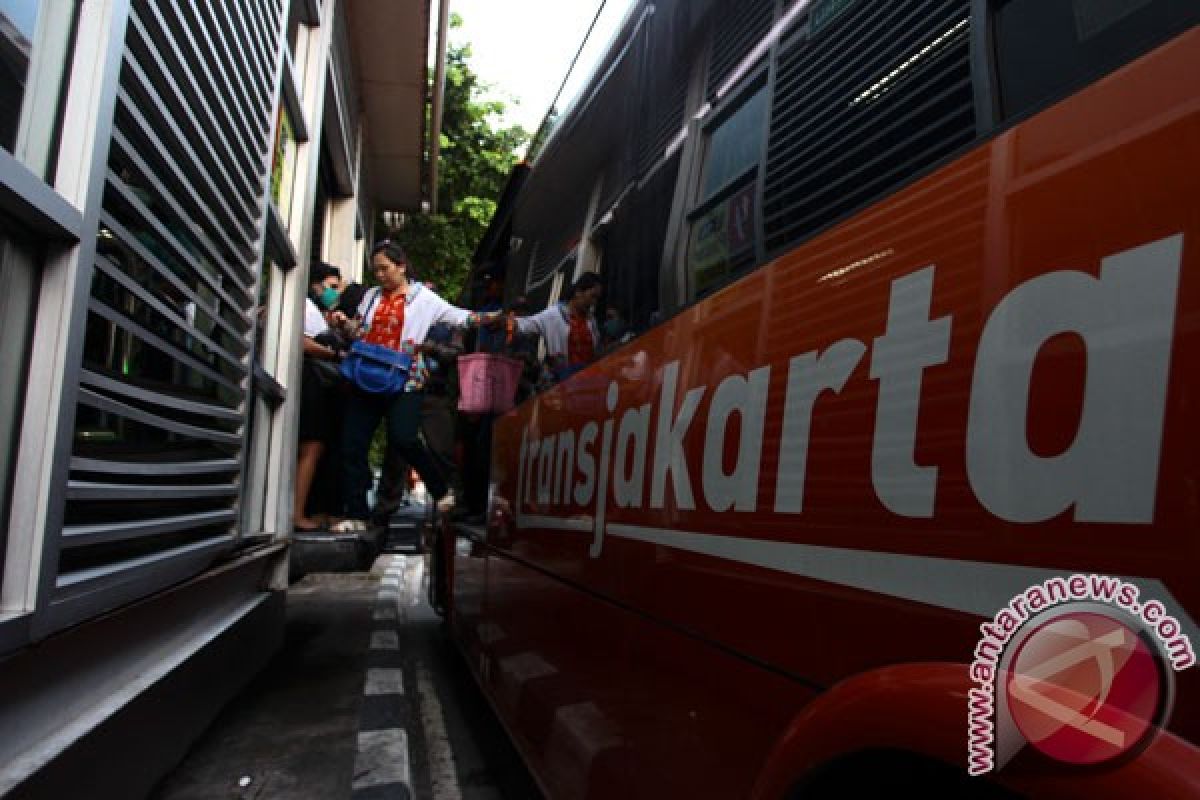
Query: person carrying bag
{"type": "Point", "coordinates": [387, 373]}
{"type": "Point", "coordinates": [376, 368]}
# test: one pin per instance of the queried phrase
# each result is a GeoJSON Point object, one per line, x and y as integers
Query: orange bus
{"type": "Point", "coordinates": [888, 478]}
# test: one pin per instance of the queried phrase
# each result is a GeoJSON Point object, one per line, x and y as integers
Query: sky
{"type": "Point", "coordinates": [23, 14]}
{"type": "Point", "coordinates": [524, 47]}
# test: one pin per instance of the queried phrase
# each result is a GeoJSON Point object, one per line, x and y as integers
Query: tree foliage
{"type": "Point", "coordinates": [477, 155]}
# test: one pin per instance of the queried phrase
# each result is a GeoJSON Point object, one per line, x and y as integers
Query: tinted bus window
{"type": "Point", "coordinates": [867, 100]}
{"type": "Point", "coordinates": [1045, 49]}
{"type": "Point", "coordinates": [735, 143]}
{"type": "Point", "coordinates": [722, 236]}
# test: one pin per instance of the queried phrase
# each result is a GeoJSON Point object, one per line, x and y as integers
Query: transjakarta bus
{"type": "Point", "coordinates": [891, 481]}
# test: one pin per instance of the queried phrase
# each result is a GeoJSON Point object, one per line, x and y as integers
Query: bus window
{"type": "Point", "coordinates": [722, 236]}
{"type": "Point", "coordinates": [1045, 49]}
{"type": "Point", "coordinates": [734, 143]}
{"type": "Point", "coordinates": [866, 99]}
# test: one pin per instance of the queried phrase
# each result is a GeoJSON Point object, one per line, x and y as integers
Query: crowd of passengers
{"type": "Point", "coordinates": [427, 436]}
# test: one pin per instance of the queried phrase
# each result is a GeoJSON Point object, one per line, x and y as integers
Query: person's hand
{"type": "Point", "coordinates": [493, 320]}
{"type": "Point", "coordinates": [338, 318]}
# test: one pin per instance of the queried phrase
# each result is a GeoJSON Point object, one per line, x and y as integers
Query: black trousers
{"type": "Point", "coordinates": [403, 415]}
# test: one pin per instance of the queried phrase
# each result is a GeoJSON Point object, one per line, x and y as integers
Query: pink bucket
{"type": "Point", "coordinates": [487, 383]}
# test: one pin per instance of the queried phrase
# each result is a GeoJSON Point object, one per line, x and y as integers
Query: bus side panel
{"type": "Point", "coordinates": [605, 702]}
{"type": "Point", "coordinates": [703, 719]}
{"type": "Point", "coordinates": [811, 467]}
{"type": "Point", "coordinates": [466, 578]}
{"type": "Point", "coordinates": [555, 664]}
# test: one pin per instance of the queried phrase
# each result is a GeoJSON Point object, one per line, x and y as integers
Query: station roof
{"type": "Point", "coordinates": [389, 43]}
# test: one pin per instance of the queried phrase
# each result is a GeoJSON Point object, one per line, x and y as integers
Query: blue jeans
{"type": "Point", "coordinates": [403, 414]}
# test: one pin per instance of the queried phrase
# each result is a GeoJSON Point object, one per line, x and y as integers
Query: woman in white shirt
{"type": "Point", "coordinates": [569, 328]}
{"type": "Point", "coordinates": [398, 315]}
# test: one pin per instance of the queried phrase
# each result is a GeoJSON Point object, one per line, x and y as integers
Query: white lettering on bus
{"type": "Point", "coordinates": [669, 457]}
{"type": "Point", "coordinates": [564, 467]}
{"type": "Point", "coordinates": [1109, 472]}
{"type": "Point", "coordinates": [912, 343]}
{"type": "Point", "coordinates": [585, 489]}
{"type": "Point", "coordinates": [628, 479]}
{"type": "Point", "coordinates": [745, 396]}
{"type": "Point", "coordinates": [808, 376]}
{"type": "Point", "coordinates": [602, 487]}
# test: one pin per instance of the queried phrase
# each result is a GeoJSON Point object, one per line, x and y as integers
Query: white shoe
{"type": "Point", "coordinates": [447, 502]}
{"type": "Point", "coordinates": [349, 526]}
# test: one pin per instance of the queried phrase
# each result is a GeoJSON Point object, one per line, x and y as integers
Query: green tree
{"type": "Point", "coordinates": [477, 155]}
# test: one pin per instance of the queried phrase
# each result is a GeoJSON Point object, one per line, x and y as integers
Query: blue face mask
{"type": "Point", "coordinates": [329, 297]}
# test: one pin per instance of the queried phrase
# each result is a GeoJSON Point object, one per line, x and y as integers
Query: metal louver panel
{"type": "Point", "coordinates": [543, 266]}
{"type": "Point", "coordinates": [737, 28]}
{"type": "Point", "coordinates": [873, 99]}
{"type": "Point", "coordinates": [665, 124]}
{"type": "Point", "coordinates": [665, 65]}
{"type": "Point", "coordinates": [155, 476]}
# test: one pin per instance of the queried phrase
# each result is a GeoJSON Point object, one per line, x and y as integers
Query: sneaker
{"type": "Point", "coordinates": [446, 502]}
{"type": "Point", "coordinates": [349, 526]}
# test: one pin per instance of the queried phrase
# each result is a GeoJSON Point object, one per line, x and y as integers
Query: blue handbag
{"type": "Point", "coordinates": [375, 368]}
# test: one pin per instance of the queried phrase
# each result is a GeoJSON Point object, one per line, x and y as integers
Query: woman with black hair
{"type": "Point", "coordinates": [569, 328]}
{"type": "Point", "coordinates": [397, 314]}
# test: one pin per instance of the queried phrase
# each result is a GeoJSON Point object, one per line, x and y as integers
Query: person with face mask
{"type": "Point", "coordinates": [616, 330]}
{"type": "Point", "coordinates": [324, 282]}
{"type": "Point", "coordinates": [317, 393]}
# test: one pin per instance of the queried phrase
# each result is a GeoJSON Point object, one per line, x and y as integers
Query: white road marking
{"type": "Point", "coordinates": [442, 772]}
{"type": "Point", "coordinates": [382, 759]}
{"type": "Point", "coordinates": [384, 614]}
{"type": "Point", "coordinates": [384, 681]}
{"type": "Point", "coordinates": [385, 640]}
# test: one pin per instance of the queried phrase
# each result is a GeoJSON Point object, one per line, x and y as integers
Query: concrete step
{"type": "Point", "coordinates": [321, 551]}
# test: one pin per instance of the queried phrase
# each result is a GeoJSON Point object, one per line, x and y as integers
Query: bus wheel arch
{"type": "Point", "coordinates": [910, 713]}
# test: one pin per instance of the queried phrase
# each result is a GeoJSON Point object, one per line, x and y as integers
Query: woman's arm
{"type": "Point", "coordinates": [461, 317]}
{"type": "Point", "coordinates": [312, 348]}
{"type": "Point", "coordinates": [535, 323]}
